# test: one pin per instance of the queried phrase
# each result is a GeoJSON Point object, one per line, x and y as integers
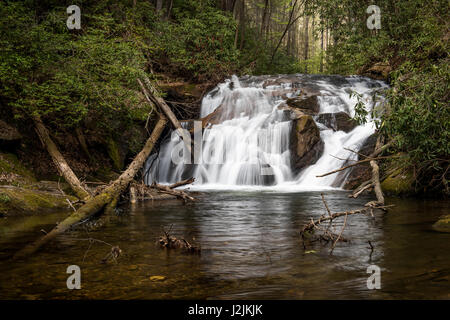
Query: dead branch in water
{"type": "Point", "coordinates": [327, 235]}
{"type": "Point", "coordinates": [182, 183]}
{"type": "Point", "coordinates": [178, 193]}
{"type": "Point", "coordinates": [168, 241]}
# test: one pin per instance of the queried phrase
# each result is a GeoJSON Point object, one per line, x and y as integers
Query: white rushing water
{"type": "Point", "coordinates": [248, 148]}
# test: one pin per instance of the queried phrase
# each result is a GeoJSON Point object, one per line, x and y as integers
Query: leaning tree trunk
{"type": "Point", "coordinates": [108, 195]}
{"type": "Point", "coordinates": [60, 163]}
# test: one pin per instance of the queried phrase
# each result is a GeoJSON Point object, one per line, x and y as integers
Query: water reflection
{"type": "Point", "coordinates": [250, 249]}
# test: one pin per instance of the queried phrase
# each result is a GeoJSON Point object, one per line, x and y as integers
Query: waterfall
{"type": "Point", "coordinates": [247, 144]}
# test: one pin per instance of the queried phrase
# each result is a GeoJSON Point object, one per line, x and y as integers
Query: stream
{"type": "Point", "coordinates": [251, 249]}
{"type": "Point", "coordinates": [246, 220]}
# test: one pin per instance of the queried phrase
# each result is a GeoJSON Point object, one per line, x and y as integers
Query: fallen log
{"type": "Point", "coordinates": [182, 183]}
{"type": "Point", "coordinates": [153, 98]}
{"type": "Point", "coordinates": [59, 161]}
{"type": "Point", "coordinates": [178, 193]}
{"type": "Point", "coordinates": [364, 186]}
{"type": "Point", "coordinates": [109, 194]}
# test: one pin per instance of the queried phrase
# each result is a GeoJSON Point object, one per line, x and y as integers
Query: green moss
{"type": "Point", "coordinates": [443, 224]}
{"type": "Point", "coordinates": [10, 164]}
{"type": "Point", "coordinates": [30, 201]}
{"type": "Point", "coordinates": [114, 154]}
{"type": "Point", "coordinates": [400, 182]}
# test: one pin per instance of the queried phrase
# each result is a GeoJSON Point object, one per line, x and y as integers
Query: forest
{"type": "Point", "coordinates": [353, 95]}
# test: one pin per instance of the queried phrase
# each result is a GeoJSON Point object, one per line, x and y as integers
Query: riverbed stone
{"type": "Point", "coordinates": [306, 146]}
{"type": "Point", "coordinates": [339, 121]}
{"type": "Point", "coordinates": [443, 224]}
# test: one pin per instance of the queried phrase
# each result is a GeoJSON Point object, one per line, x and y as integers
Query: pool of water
{"type": "Point", "coordinates": [251, 249]}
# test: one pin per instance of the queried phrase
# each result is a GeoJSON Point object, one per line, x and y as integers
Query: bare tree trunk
{"type": "Point", "coordinates": [289, 24]}
{"type": "Point", "coordinates": [376, 182]}
{"type": "Point", "coordinates": [159, 5]}
{"type": "Point", "coordinates": [264, 17]}
{"type": "Point", "coordinates": [321, 52]}
{"type": "Point", "coordinates": [169, 9]}
{"type": "Point", "coordinates": [59, 161]}
{"type": "Point", "coordinates": [242, 24]}
{"type": "Point", "coordinates": [82, 141]}
{"type": "Point", "coordinates": [158, 101]}
{"type": "Point", "coordinates": [306, 43]}
{"type": "Point", "coordinates": [108, 195]}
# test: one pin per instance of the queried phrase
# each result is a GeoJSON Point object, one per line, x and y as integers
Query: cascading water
{"type": "Point", "coordinates": [247, 144]}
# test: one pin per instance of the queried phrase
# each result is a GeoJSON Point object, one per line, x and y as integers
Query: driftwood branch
{"type": "Point", "coordinates": [178, 193]}
{"type": "Point", "coordinates": [182, 183]}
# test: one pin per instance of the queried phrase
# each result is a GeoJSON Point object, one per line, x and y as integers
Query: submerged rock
{"type": "Point", "coordinates": [339, 121]}
{"type": "Point", "coordinates": [306, 146]}
{"type": "Point", "coordinates": [443, 224]}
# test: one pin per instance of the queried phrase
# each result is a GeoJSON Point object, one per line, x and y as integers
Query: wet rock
{"type": "Point", "coordinates": [339, 121]}
{"type": "Point", "coordinates": [291, 113]}
{"type": "Point", "coordinates": [306, 104]}
{"type": "Point", "coordinates": [306, 146]}
{"type": "Point", "coordinates": [363, 171]}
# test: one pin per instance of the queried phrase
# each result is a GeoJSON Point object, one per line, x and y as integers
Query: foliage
{"type": "Point", "coordinates": [413, 41]}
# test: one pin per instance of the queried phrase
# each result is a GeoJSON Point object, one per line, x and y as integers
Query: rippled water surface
{"type": "Point", "coordinates": [251, 249]}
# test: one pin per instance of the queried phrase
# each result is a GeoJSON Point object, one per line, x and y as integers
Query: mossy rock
{"type": "Point", "coordinates": [15, 200]}
{"type": "Point", "coordinates": [10, 165]}
{"type": "Point", "coordinates": [443, 224]}
{"type": "Point", "coordinates": [400, 182]}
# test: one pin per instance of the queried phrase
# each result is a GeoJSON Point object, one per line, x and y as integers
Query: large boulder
{"type": "Point", "coordinates": [399, 183]}
{"type": "Point", "coordinates": [339, 121]}
{"type": "Point", "coordinates": [308, 104]}
{"type": "Point", "coordinates": [305, 144]}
